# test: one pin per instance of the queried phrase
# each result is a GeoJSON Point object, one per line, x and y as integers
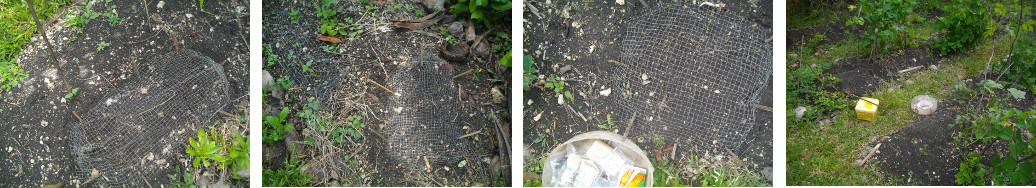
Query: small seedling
{"type": "Point", "coordinates": [609, 126]}
{"type": "Point", "coordinates": [101, 46]}
{"type": "Point", "coordinates": [305, 68]}
{"type": "Point", "coordinates": [295, 17]}
{"type": "Point", "coordinates": [72, 94]}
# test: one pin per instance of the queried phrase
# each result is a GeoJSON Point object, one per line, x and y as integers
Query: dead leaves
{"type": "Point", "coordinates": [659, 154]}
{"type": "Point", "coordinates": [330, 39]}
{"type": "Point", "coordinates": [419, 23]}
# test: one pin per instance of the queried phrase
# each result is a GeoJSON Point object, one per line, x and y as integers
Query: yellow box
{"type": "Point", "coordinates": [867, 110]}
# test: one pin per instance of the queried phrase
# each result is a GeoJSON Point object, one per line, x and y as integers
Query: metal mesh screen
{"type": "Point", "coordinates": [691, 76]}
{"type": "Point", "coordinates": [423, 112]}
{"type": "Point", "coordinates": [142, 126]}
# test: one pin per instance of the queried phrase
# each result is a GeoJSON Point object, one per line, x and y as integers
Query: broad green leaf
{"type": "Point", "coordinates": [992, 84]}
{"type": "Point", "coordinates": [506, 60]}
{"type": "Point", "coordinates": [1017, 94]}
{"type": "Point", "coordinates": [1018, 147]}
{"type": "Point", "coordinates": [1003, 132]}
{"type": "Point", "coordinates": [501, 6]}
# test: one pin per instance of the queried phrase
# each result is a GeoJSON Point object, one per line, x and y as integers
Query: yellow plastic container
{"type": "Point", "coordinates": [866, 110]}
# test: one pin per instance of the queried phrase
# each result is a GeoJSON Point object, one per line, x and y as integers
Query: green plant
{"type": "Point", "coordinates": [187, 182]}
{"type": "Point", "coordinates": [964, 25]}
{"type": "Point", "coordinates": [982, 127]}
{"type": "Point", "coordinates": [309, 114]}
{"type": "Point", "coordinates": [101, 46]}
{"type": "Point", "coordinates": [10, 74]}
{"type": "Point", "coordinates": [270, 57]}
{"type": "Point", "coordinates": [1022, 66]}
{"type": "Point", "coordinates": [284, 82]}
{"type": "Point", "coordinates": [113, 16]}
{"type": "Point", "coordinates": [887, 19]}
{"type": "Point", "coordinates": [658, 142]}
{"type": "Point", "coordinates": [528, 72]}
{"type": "Point", "coordinates": [608, 126]}
{"type": "Point", "coordinates": [275, 126]}
{"type": "Point", "coordinates": [238, 155]}
{"type": "Point", "coordinates": [327, 11]}
{"type": "Point", "coordinates": [354, 129]}
{"type": "Point", "coordinates": [289, 176]}
{"type": "Point", "coordinates": [306, 69]}
{"type": "Point", "coordinates": [506, 60]}
{"type": "Point", "coordinates": [295, 17]}
{"type": "Point", "coordinates": [488, 11]}
{"type": "Point", "coordinates": [557, 84]}
{"type": "Point", "coordinates": [330, 48]}
{"type": "Point", "coordinates": [809, 87]}
{"type": "Point", "coordinates": [72, 93]}
{"type": "Point", "coordinates": [205, 149]}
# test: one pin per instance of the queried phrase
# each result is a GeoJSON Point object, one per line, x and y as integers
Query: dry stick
{"type": "Point", "coordinates": [39, 26]}
{"type": "Point", "coordinates": [469, 134]}
{"type": "Point", "coordinates": [868, 157]}
{"type": "Point", "coordinates": [574, 111]}
{"type": "Point", "coordinates": [379, 85]}
{"type": "Point", "coordinates": [428, 167]}
{"type": "Point", "coordinates": [506, 144]}
{"type": "Point", "coordinates": [644, 3]}
{"type": "Point", "coordinates": [145, 181]}
{"type": "Point", "coordinates": [909, 69]}
{"type": "Point", "coordinates": [629, 125]}
{"type": "Point", "coordinates": [462, 74]}
{"type": "Point", "coordinates": [761, 107]}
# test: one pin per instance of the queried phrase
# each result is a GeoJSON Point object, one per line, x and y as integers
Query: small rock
{"type": "Point", "coordinates": [933, 67]}
{"type": "Point", "coordinates": [267, 78]}
{"type": "Point", "coordinates": [160, 162]}
{"type": "Point", "coordinates": [908, 81]}
{"type": "Point", "coordinates": [161, 4]}
{"type": "Point", "coordinates": [44, 123]}
{"type": "Point", "coordinates": [435, 4]}
{"type": "Point", "coordinates": [799, 112]}
{"type": "Point", "coordinates": [768, 172]}
{"type": "Point", "coordinates": [565, 69]}
{"type": "Point", "coordinates": [561, 99]}
{"type": "Point", "coordinates": [620, 2]}
{"type": "Point", "coordinates": [498, 97]}
{"type": "Point", "coordinates": [606, 92]}
{"type": "Point", "coordinates": [457, 29]}
{"type": "Point", "coordinates": [190, 16]}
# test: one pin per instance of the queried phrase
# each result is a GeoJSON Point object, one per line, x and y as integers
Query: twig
{"type": "Point", "coordinates": [629, 125]}
{"type": "Point", "coordinates": [145, 181]}
{"type": "Point", "coordinates": [868, 157]}
{"type": "Point", "coordinates": [469, 134]}
{"type": "Point", "coordinates": [77, 116]}
{"type": "Point", "coordinates": [428, 167]}
{"type": "Point", "coordinates": [761, 107]}
{"type": "Point", "coordinates": [644, 3]}
{"type": "Point", "coordinates": [909, 69]}
{"type": "Point", "coordinates": [379, 85]}
{"type": "Point", "coordinates": [462, 74]}
{"type": "Point", "coordinates": [506, 144]}
{"type": "Point", "coordinates": [574, 111]}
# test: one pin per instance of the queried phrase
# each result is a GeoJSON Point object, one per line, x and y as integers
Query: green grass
{"type": "Point", "coordinates": [820, 16]}
{"type": "Point", "coordinates": [16, 29]}
{"type": "Point", "coordinates": [825, 157]}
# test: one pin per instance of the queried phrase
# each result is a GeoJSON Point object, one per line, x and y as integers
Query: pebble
{"type": "Point", "coordinates": [620, 2]}
{"type": "Point", "coordinates": [799, 112]}
{"type": "Point", "coordinates": [933, 67]}
{"type": "Point", "coordinates": [606, 92]}
{"type": "Point", "coordinates": [161, 4]}
{"type": "Point", "coordinates": [565, 69]}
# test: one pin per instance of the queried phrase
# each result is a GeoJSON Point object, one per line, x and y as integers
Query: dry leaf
{"type": "Point", "coordinates": [658, 155]}
{"type": "Point", "coordinates": [330, 39]}
{"type": "Point", "coordinates": [419, 23]}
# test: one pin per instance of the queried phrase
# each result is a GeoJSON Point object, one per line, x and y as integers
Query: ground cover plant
{"type": "Point", "coordinates": [334, 89]}
{"type": "Point", "coordinates": [17, 26]}
{"type": "Point", "coordinates": [958, 145]}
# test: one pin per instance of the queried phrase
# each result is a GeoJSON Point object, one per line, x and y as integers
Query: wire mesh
{"type": "Point", "coordinates": [140, 128]}
{"type": "Point", "coordinates": [691, 76]}
{"type": "Point", "coordinates": [424, 130]}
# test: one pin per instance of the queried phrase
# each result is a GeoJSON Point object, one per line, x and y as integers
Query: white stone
{"type": "Point", "coordinates": [161, 4]}
{"type": "Point", "coordinates": [606, 92]}
{"type": "Point", "coordinates": [620, 2]}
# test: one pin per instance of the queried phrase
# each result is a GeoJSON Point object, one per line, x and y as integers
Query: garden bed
{"type": "Point", "coordinates": [353, 79]}
{"type": "Point", "coordinates": [580, 42]}
{"type": "Point", "coordinates": [97, 57]}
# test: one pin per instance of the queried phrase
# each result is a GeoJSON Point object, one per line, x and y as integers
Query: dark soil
{"type": "Point", "coordinates": [35, 145]}
{"type": "Point", "coordinates": [925, 152]}
{"type": "Point", "coordinates": [375, 55]}
{"type": "Point", "coordinates": [860, 76]}
{"type": "Point", "coordinates": [586, 38]}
